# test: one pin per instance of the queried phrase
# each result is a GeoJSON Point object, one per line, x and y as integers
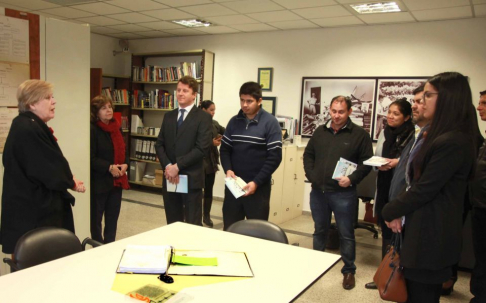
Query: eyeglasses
{"type": "Point", "coordinates": [428, 95]}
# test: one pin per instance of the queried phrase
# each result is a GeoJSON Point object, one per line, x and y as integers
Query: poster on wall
{"type": "Point", "coordinates": [389, 90]}
{"type": "Point", "coordinates": [317, 93]}
{"type": "Point", "coordinates": [14, 41]}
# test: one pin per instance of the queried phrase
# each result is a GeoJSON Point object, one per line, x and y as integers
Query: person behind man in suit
{"type": "Point", "coordinates": [183, 142]}
{"type": "Point", "coordinates": [252, 150]}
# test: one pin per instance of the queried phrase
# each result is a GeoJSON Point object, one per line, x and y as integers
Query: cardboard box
{"type": "Point", "coordinates": [159, 174]}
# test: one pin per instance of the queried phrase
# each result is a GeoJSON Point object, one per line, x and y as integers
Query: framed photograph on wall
{"type": "Point", "coordinates": [317, 93]}
{"type": "Point", "coordinates": [269, 104]}
{"type": "Point", "coordinates": [265, 78]}
{"type": "Point", "coordinates": [389, 90]}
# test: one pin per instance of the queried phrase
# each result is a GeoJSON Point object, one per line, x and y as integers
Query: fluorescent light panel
{"type": "Point", "coordinates": [375, 8]}
{"type": "Point", "coordinates": [193, 23]}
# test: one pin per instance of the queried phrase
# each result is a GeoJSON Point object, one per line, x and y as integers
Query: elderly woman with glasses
{"type": "Point", "coordinates": [37, 176]}
{"type": "Point", "coordinates": [439, 173]}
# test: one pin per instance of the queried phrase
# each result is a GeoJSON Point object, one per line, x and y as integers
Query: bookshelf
{"type": "Point", "coordinates": [153, 83]}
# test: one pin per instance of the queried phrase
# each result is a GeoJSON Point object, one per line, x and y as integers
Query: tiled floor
{"type": "Point", "coordinates": [142, 211]}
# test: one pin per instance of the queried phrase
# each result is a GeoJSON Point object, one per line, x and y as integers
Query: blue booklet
{"type": "Point", "coordinates": [178, 188]}
{"type": "Point", "coordinates": [344, 168]}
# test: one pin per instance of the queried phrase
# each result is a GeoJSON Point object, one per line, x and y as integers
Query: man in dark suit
{"type": "Point", "coordinates": [184, 140]}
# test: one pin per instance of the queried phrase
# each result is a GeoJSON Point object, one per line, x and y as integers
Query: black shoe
{"type": "Point", "coordinates": [348, 281]}
{"type": "Point", "coordinates": [207, 220]}
{"type": "Point", "coordinates": [371, 285]}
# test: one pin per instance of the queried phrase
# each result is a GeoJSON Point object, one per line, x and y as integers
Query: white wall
{"type": "Point", "coordinates": [413, 49]}
{"type": "Point", "coordinates": [102, 48]}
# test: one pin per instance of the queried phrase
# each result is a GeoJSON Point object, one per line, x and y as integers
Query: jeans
{"type": "Point", "coordinates": [343, 204]}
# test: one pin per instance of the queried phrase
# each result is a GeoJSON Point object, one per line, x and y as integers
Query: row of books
{"type": "Point", "coordinates": [153, 73]}
{"type": "Point", "coordinates": [120, 96]}
{"type": "Point", "coordinates": [145, 150]}
{"type": "Point", "coordinates": [157, 98]}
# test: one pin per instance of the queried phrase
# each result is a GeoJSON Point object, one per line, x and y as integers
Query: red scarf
{"type": "Point", "coordinates": [113, 128]}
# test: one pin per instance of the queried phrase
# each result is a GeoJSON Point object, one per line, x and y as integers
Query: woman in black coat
{"type": "Point", "coordinates": [37, 176]}
{"type": "Point", "coordinates": [108, 169]}
{"type": "Point", "coordinates": [433, 205]}
{"type": "Point", "coordinates": [211, 161]}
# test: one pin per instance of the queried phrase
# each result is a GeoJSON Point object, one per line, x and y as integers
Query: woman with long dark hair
{"type": "Point", "coordinates": [108, 169]}
{"type": "Point", "coordinates": [433, 205]}
{"type": "Point", "coordinates": [211, 161]}
{"type": "Point", "coordinates": [398, 132]}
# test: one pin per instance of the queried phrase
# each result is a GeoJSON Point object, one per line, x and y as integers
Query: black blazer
{"type": "Point", "coordinates": [187, 145]}
{"type": "Point", "coordinates": [434, 204]}
{"type": "Point", "coordinates": [102, 156]}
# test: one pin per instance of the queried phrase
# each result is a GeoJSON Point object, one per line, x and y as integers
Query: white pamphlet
{"type": "Point", "coordinates": [145, 259]}
{"type": "Point", "coordinates": [178, 188]}
{"type": "Point", "coordinates": [344, 168]}
{"type": "Point", "coordinates": [376, 161]}
{"type": "Point", "coordinates": [235, 186]}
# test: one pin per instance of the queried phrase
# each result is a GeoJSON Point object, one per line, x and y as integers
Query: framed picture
{"type": "Point", "coordinates": [269, 104]}
{"type": "Point", "coordinates": [389, 90]}
{"type": "Point", "coordinates": [317, 93]}
{"type": "Point", "coordinates": [265, 78]}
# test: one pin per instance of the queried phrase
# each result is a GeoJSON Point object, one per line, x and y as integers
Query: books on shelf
{"type": "Point", "coordinates": [119, 96]}
{"type": "Point", "coordinates": [157, 98]}
{"type": "Point", "coordinates": [145, 150]}
{"type": "Point", "coordinates": [153, 73]}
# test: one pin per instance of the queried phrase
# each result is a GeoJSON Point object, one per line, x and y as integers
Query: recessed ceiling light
{"type": "Point", "coordinates": [378, 7]}
{"type": "Point", "coordinates": [193, 23]}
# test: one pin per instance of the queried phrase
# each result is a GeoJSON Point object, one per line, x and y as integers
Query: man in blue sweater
{"type": "Point", "coordinates": [339, 138]}
{"type": "Point", "coordinates": [252, 150]}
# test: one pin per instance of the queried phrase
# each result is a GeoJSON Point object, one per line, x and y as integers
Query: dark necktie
{"type": "Point", "coordinates": [411, 157]}
{"type": "Point", "coordinates": [181, 118]}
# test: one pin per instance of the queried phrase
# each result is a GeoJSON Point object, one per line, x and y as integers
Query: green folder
{"type": "Point", "coordinates": [194, 261]}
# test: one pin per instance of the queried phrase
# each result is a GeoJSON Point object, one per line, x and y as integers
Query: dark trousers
{"type": "Point", "coordinates": [478, 277]}
{"type": "Point", "coordinates": [208, 193]}
{"type": "Point", "coordinates": [256, 206]}
{"type": "Point", "coordinates": [423, 293]}
{"type": "Point", "coordinates": [183, 207]}
{"type": "Point", "coordinates": [107, 204]}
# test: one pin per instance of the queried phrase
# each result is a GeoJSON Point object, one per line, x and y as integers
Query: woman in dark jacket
{"type": "Point", "coordinates": [433, 205]}
{"type": "Point", "coordinates": [398, 132]}
{"type": "Point", "coordinates": [108, 169]}
{"type": "Point", "coordinates": [37, 176]}
{"type": "Point", "coordinates": [211, 162]}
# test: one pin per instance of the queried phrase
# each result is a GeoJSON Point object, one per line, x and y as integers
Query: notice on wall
{"type": "Point", "coordinates": [11, 76]}
{"type": "Point", "coordinates": [14, 40]}
{"type": "Point", "coordinates": [6, 117]}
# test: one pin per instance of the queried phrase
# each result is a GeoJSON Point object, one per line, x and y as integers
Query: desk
{"type": "Point", "coordinates": [281, 271]}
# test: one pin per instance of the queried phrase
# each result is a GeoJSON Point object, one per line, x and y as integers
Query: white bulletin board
{"type": "Point", "coordinates": [11, 76]}
{"type": "Point", "coordinates": [14, 40]}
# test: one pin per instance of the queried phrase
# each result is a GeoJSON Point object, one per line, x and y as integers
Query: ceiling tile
{"type": "Point", "coordinates": [100, 8]}
{"type": "Point", "coordinates": [127, 36]}
{"type": "Point", "coordinates": [292, 4]}
{"type": "Point", "coordinates": [480, 10]}
{"type": "Point", "coordinates": [387, 18]}
{"type": "Point", "coordinates": [355, 1]}
{"type": "Point", "coordinates": [31, 5]}
{"type": "Point", "coordinates": [133, 17]}
{"type": "Point", "coordinates": [256, 27]}
{"type": "Point", "coordinates": [208, 10]}
{"type": "Point", "coordinates": [101, 20]}
{"type": "Point", "coordinates": [50, 16]}
{"type": "Point", "coordinates": [293, 24]}
{"type": "Point", "coordinates": [18, 8]}
{"type": "Point", "coordinates": [104, 30]}
{"type": "Point", "coordinates": [169, 14]}
{"type": "Point", "coordinates": [154, 34]}
{"type": "Point", "coordinates": [161, 25]}
{"type": "Point", "coordinates": [443, 13]}
{"type": "Point", "coordinates": [430, 4]}
{"type": "Point", "coordinates": [129, 28]}
{"type": "Point", "coordinates": [479, 1]}
{"type": "Point", "coordinates": [230, 20]}
{"type": "Point", "coordinates": [177, 3]}
{"type": "Point", "coordinates": [185, 32]}
{"type": "Point", "coordinates": [322, 12]}
{"type": "Point", "coordinates": [67, 12]}
{"type": "Point", "coordinates": [275, 16]}
{"type": "Point", "coordinates": [218, 30]}
{"type": "Point", "coordinates": [139, 5]}
{"type": "Point", "coordinates": [338, 21]}
{"type": "Point", "coordinates": [253, 6]}
{"type": "Point", "coordinates": [219, 1]}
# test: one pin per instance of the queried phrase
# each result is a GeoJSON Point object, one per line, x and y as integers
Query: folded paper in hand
{"type": "Point", "coordinates": [235, 186]}
{"type": "Point", "coordinates": [376, 161]}
{"type": "Point", "coordinates": [178, 188]}
{"type": "Point", "coordinates": [143, 259]}
{"type": "Point", "coordinates": [344, 168]}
